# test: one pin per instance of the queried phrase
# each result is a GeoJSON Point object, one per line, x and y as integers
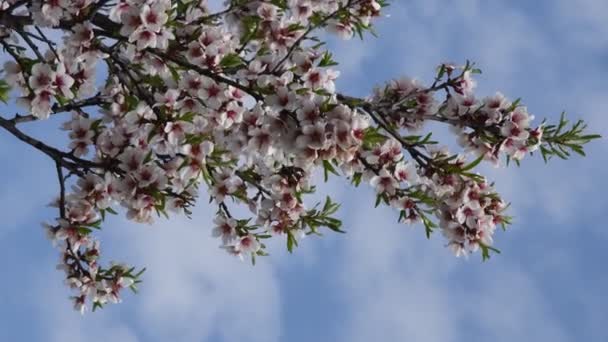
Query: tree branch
{"type": "Point", "coordinates": [67, 160]}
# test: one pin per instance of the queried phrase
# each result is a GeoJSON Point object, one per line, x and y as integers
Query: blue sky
{"type": "Point", "coordinates": [381, 281]}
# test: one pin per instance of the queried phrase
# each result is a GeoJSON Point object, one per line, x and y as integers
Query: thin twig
{"type": "Point", "coordinates": [97, 100]}
{"type": "Point", "coordinates": [61, 188]}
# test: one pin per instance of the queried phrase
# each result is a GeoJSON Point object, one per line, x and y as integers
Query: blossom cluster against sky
{"type": "Point", "coordinates": [382, 280]}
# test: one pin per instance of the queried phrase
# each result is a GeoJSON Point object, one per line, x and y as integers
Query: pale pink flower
{"type": "Point", "coordinates": [41, 77]}
{"type": "Point", "coordinates": [384, 182]}
{"type": "Point", "coordinates": [247, 244]}
{"type": "Point", "coordinates": [406, 172]}
{"type": "Point", "coordinates": [225, 228]}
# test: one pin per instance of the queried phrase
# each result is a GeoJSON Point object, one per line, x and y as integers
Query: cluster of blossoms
{"type": "Point", "coordinates": [51, 13]}
{"type": "Point", "coordinates": [243, 104]}
{"type": "Point", "coordinates": [489, 127]}
{"type": "Point", "coordinates": [143, 22]}
{"type": "Point", "coordinates": [469, 212]}
{"type": "Point", "coordinates": [495, 114]}
{"type": "Point", "coordinates": [56, 77]}
{"type": "Point", "coordinates": [80, 251]}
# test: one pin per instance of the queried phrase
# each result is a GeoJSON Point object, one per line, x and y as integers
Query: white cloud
{"type": "Point", "coordinates": [18, 202]}
{"type": "Point", "coordinates": [582, 22]}
{"type": "Point", "coordinates": [397, 286]}
{"type": "Point", "coordinates": [419, 35]}
{"type": "Point", "coordinates": [515, 53]}
{"type": "Point", "coordinates": [394, 283]}
{"type": "Point", "coordinates": [508, 306]}
{"type": "Point", "coordinates": [390, 281]}
{"type": "Point", "coordinates": [53, 317]}
{"type": "Point", "coordinates": [192, 289]}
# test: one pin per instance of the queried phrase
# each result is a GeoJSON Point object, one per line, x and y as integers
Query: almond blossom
{"type": "Point", "coordinates": [171, 103]}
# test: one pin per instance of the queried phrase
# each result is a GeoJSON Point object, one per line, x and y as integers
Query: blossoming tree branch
{"type": "Point", "coordinates": [240, 106]}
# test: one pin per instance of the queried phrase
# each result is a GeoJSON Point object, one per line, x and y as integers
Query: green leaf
{"type": "Point", "coordinates": [485, 251]}
{"type": "Point", "coordinates": [590, 137]}
{"type": "Point", "coordinates": [231, 60]}
{"type": "Point", "coordinates": [327, 204]}
{"type": "Point", "coordinates": [84, 230]}
{"type": "Point", "coordinates": [371, 137]}
{"type": "Point", "coordinates": [428, 225]}
{"type": "Point", "coordinates": [327, 60]}
{"type": "Point", "coordinates": [335, 225]}
{"type": "Point", "coordinates": [427, 140]}
{"type": "Point", "coordinates": [356, 179]}
{"type": "Point", "coordinates": [96, 224]}
{"type": "Point", "coordinates": [327, 168]}
{"type": "Point", "coordinates": [381, 198]}
{"type": "Point", "coordinates": [330, 207]}
{"type": "Point", "coordinates": [473, 164]}
{"type": "Point", "coordinates": [97, 305]}
{"type": "Point", "coordinates": [291, 241]}
{"type": "Point", "coordinates": [440, 71]}
{"type": "Point", "coordinates": [295, 27]}
{"type": "Point", "coordinates": [251, 27]}
{"type": "Point", "coordinates": [5, 90]}
{"type": "Point", "coordinates": [140, 273]}
{"type": "Point", "coordinates": [282, 4]}
{"type": "Point", "coordinates": [514, 105]}
{"type": "Point", "coordinates": [96, 124]}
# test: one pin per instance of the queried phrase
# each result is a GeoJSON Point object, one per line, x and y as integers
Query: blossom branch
{"type": "Point", "coordinates": [175, 113]}
{"type": "Point", "coordinates": [94, 101]}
